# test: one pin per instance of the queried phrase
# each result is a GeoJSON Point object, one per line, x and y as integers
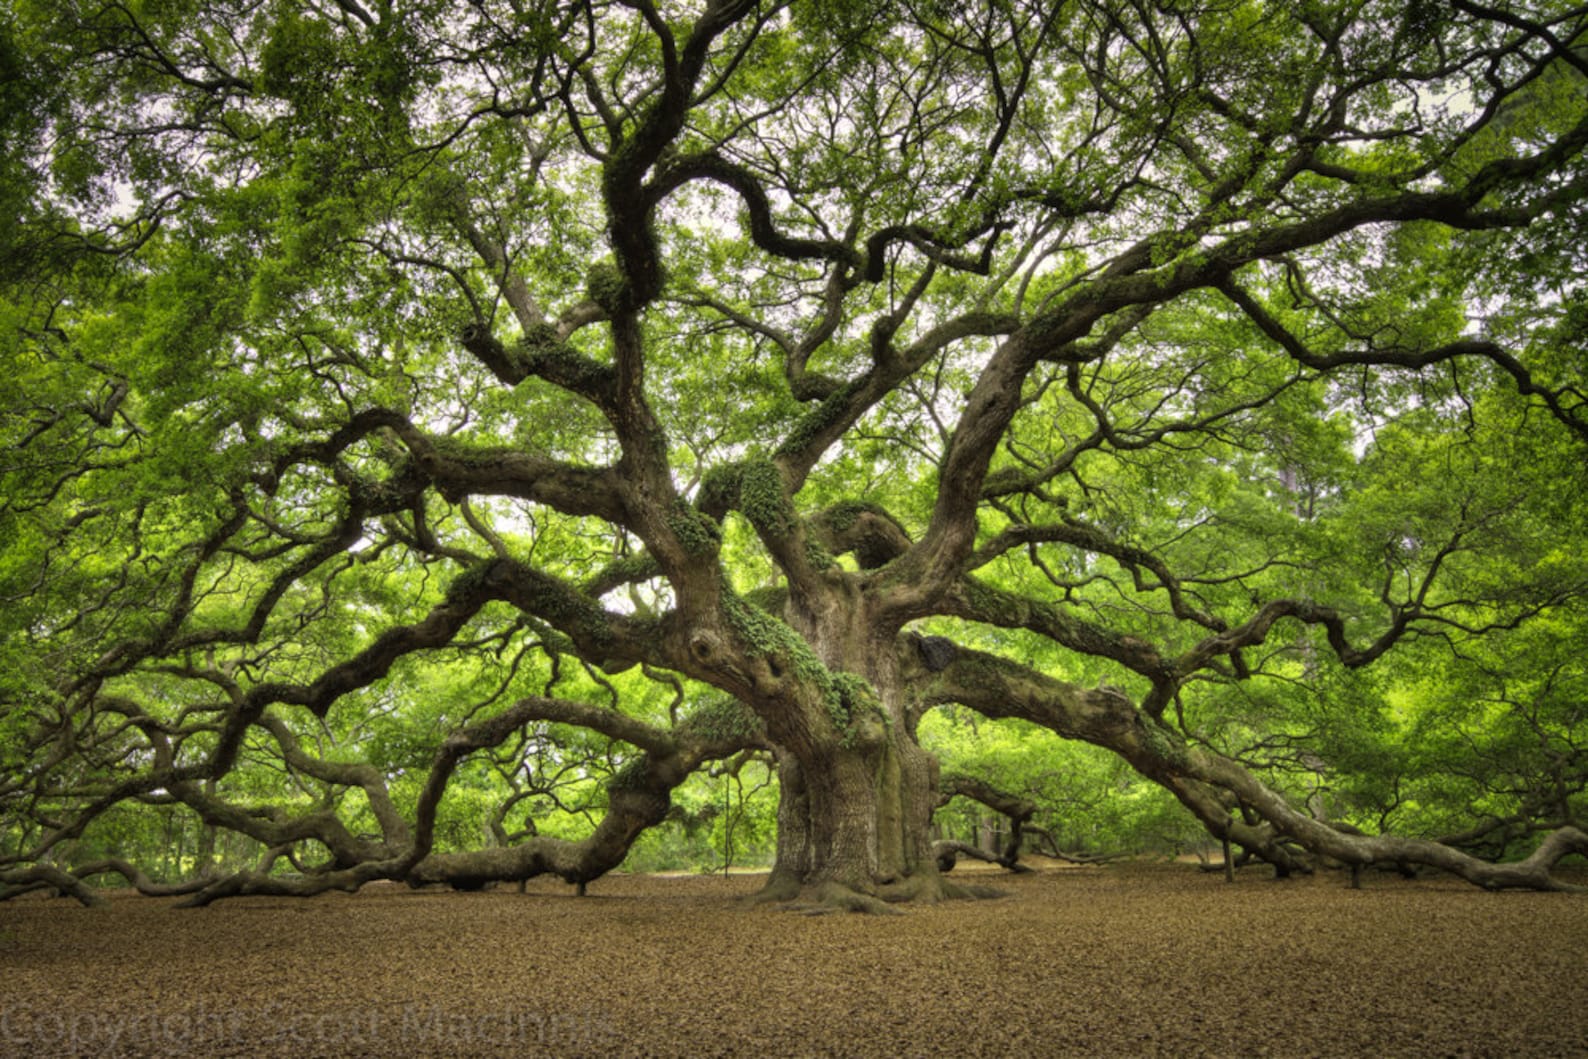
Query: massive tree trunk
{"type": "Point", "coordinates": [857, 791]}
{"type": "Point", "coordinates": [857, 819]}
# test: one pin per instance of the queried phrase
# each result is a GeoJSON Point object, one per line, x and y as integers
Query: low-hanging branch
{"type": "Point", "coordinates": [1210, 784]}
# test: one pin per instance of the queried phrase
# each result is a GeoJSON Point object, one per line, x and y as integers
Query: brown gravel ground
{"type": "Point", "coordinates": [1124, 960]}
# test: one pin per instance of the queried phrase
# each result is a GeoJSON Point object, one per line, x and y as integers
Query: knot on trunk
{"type": "Point", "coordinates": [705, 646]}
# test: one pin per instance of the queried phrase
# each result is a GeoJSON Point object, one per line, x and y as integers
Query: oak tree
{"type": "Point", "coordinates": [402, 390]}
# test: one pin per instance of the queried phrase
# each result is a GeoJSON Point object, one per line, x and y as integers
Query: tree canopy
{"type": "Point", "coordinates": [434, 431]}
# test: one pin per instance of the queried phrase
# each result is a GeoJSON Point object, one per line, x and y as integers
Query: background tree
{"type": "Point", "coordinates": [399, 391]}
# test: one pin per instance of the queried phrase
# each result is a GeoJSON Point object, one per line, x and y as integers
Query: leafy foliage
{"type": "Point", "coordinates": [445, 441]}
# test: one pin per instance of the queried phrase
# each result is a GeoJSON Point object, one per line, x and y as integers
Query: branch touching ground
{"type": "Point", "coordinates": [1208, 783]}
{"type": "Point", "coordinates": [136, 877]}
{"type": "Point", "coordinates": [1322, 839]}
{"type": "Point", "coordinates": [44, 876]}
{"type": "Point", "coordinates": [948, 852]}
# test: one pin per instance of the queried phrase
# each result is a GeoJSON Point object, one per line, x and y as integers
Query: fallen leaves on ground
{"type": "Point", "coordinates": [1129, 959]}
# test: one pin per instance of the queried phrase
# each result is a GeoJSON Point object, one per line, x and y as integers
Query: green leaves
{"type": "Point", "coordinates": [1252, 310]}
{"type": "Point", "coordinates": [298, 60]}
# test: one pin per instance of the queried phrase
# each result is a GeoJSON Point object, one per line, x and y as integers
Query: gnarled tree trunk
{"type": "Point", "coordinates": [857, 791]}
{"type": "Point", "coordinates": [857, 818]}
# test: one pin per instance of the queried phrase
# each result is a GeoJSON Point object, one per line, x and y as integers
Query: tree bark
{"type": "Point", "coordinates": [858, 816]}
{"type": "Point", "coordinates": [47, 876]}
{"type": "Point", "coordinates": [856, 798]}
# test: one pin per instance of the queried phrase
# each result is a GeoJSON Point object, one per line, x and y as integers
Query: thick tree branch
{"type": "Point", "coordinates": [1574, 416]}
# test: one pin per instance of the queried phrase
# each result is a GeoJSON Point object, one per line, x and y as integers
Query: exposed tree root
{"type": "Point", "coordinates": [785, 891]}
{"type": "Point", "coordinates": [836, 897]}
{"type": "Point", "coordinates": [781, 887]}
{"type": "Point", "coordinates": [972, 892]}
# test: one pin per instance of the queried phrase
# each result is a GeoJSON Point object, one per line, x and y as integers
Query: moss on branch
{"type": "Point", "coordinates": [846, 698]}
{"type": "Point", "coordinates": [1165, 744]}
{"type": "Point", "coordinates": [696, 531]}
{"type": "Point", "coordinates": [763, 500]}
{"type": "Point", "coordinates": [818, 420]}
{"type": "Point", "coordinates": [722, 719]}
{"type": "Point", "coordinates": [604, 284]}
{"type": "Point", "coordinates": [624, 570]}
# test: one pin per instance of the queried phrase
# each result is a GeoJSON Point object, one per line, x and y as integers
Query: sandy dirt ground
{"type": "Point", "coordinates": [1120, 960]}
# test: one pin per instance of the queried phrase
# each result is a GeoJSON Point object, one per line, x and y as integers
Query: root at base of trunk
{"type": "Point", "coordinates": [790, 895]}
